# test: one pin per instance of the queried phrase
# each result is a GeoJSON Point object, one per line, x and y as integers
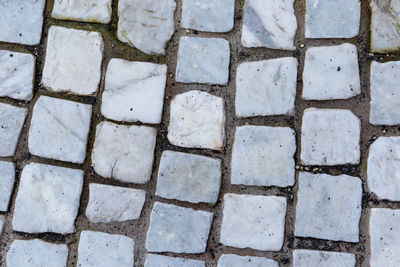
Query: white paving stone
{"type": "Point", "coordinates": [315, 258]}
{"type": "Point", "coordinates": [176, 229]}
{"type": "Point", "coordinates": [270, 24]}
{"type": "Point", "coordinates": [11, 122]}
{"type": "Point", "coordinates": [197, 119]}
{"type": "Point", "coordinates": [208, 15]}
{"type": "Point", "coordinates": [36, 253]}
{"type": "Point", "coordinates": [231, 260]}
{"type": "Point", "coordinates": [59, 129]}
{"type": "Point", "coordinates": [137, 87]}
{"type": "Point", "coordinates": [188, 177]}
{"type": "Point", "coordinates": [21, 21]}
{"type": "Point", "coordinates": [255, 222]}
{"type": "Point", "coordinates": [332, 19]}
{"type": "Point", "coordinates": [73, 61]}
{"type": "Point", "coordinates": [266, 87]}
{"type": "Point", "coordinates": [98, 249]}
{"type": "Point", "coordinates": [331, 72]}
{"type": "Point", "coordinates": [153, 260]}
{"type": "Point", "coordinates": [328, 207]}
{"type": "Point", "coordinates": [7, 176]}
{"type": "Point", "coordinates": [263, 156]}
{"type": "Point", "coordinates": [203, 60]}
{"type": "Point", "coordinates": [124, 152]}
{"type": "Point", "coordinates": [83, 10]}
{"type": "Point", "coordinates": [152, 26]}
{"type": "Point", "coordinates": [16, 74]}
{"type": "Point", "coordinates": [48, 199]}
{"type": "Point", "coordinates": [330, 137]}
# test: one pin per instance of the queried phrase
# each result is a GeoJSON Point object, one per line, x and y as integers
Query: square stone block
{"type": "Point", "coordinates": [11, 122]}
{"type": "Point", "coordinates": [7, 176]}
{"type": "Point", "coordinates": [302, 258]}
{"type": "Point", "coordinates": [231, 260]}
{"type": "Point", "coordinates": [83, 10]}
{"type": "Point", "coordinates": [153, 260]}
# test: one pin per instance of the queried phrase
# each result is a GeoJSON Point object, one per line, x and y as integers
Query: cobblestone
{"type": "Point", "coordinates": [153, 260]}
{"type": "Point", "coordinates": [7, 174]}
{"type": "Point", "coordinates": [231, 260]}
{"type": "Point", "coordinates": [322, 258]}
{"type": "Point", "coordinates": [83, 10]}
{"type": "Point", "coordinates": [12, 119]}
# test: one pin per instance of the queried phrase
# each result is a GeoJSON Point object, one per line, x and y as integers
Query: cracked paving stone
{"type": "Point", "coordinates": [331, 72]}
{"type": "Point", "coordinates": [59, 129]}
{"type": "Point", "coordinates": [73, 61]}
{"type": "Point", "coordinates": [231, 260]}
{"type": "Point", "coordinates": [188, 177]}
{"type": "Point", "coordinates": [16, 75]}
{"type": "Point", "coordinates": [83, 10]}
{"type": "Point", "coordinates": [7, 174]}
{"type": "Point", "coordinates": [270, 24]}
{"type": "Point", "coordinates": [197, 120]}
{"type": "Point", "coordinates": [114, 203]}
{"type": "Point", "coordinates": [137, 87]}
{"type": "Point", "coordinates": [176, 229]}
{"type": "Point", "coordinates": [98, 249]}
{"type": "Point", "coordinates": [203, 60]}
{"type": "Point", "coordinates": [330, 137]}
{"type": "Point", "coordinates": [48, 199]}
{"type": "Point", "coordinates": [255, 222]}
{"type": "Point", "coordinates": [263, 156]}
{"type": "Point", "coordinates": [124, 152]}
{"type": "Point", "coordinates": [36, 253]}
{"type": "Point", "coordinates": [302, 258]}
{"type": "Point", "coordinates": [328, 207]}
{"type": "Point", "coordinates": [153, 260]}
{"type": "Point", "coordinates": [11, 122]}
{"type": "Point", "coordinates": [147, 25]}
{"type": "Point", "coordinates": [266, 87]}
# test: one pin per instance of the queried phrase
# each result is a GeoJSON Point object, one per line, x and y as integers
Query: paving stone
{"type": "Point", "coordinates": [153, 260]}
{"type": "Point", "coordinates": [332, 19]}
{"type": "Point", "coordinates": [330, 137]}
{"type": "Point", "coordinates": [114, 203]}
{"type": "Point", "coordinates": [197, 120]}
{"type": "Point", "coordinates": [188, 177]}
{"type": "Point", "coordinates": [328, 207]}
{"type": "Point", "coordinates": [315, 258]}
{"type": "Point", "coordinates": [266, 87]}
{"type": "Point", "coordinates": [48, 199]}
{"type": "Point", "coordinates": [385, 25]}
{"type": "Point", "coordinates": [270, 24]}
{"type": "Point", "coordinates": [21, 21]}
{"type": "Point", "coordinates": [137, 87]}
{"type": "Point", "coordinates": [208, 15]}
{"type": "Point", "coordinates": [36, 253]}
{"type": "Point", "coordinates": [7, 176]}
{"type": "Point", "coordinates": [203, 60]}
{"type": "Point", "coordinates": [331, 72]}
{"type": "Point", "coordinates": [152, 26]}
{"type": "Point", "coordinates": [231, 260]}
{"type": "Point", "coordinates": [255, 222]}
{"type": "Point", "coordinates": [16, 75]}
{"type": "Point", "coordinates": [98, 249]}
{"type": "Point", "coordinates": [73, 61]}
{"type": "Point", "coordinates": [12, 120]}
{"type": "Point", "coordinates": [263, 156]}
{"type": "Point", "coordinates": [2, 223]}
{"type": "Point", "coordinates": [83, 10]}
{"type": "Point", "coordinates": [59, 129]}
{"type": "Point", "coordinates": [176, 229]}
{"type": "Point", "coordinates": [124, 152]}
{"type": "Point", "coordinates": [385, 96]}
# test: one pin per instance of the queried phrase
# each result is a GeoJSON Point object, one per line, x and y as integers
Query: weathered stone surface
{"type": "Point", "coordinates": [188, 177]}
{"type": "Point", "coordinates": [147, 25]}
{"type": "Point", "coordinates": [59, 129]}
{"type": "Point", "coordinates": [48, 199]}
{"type": "Point", "coordinates": [11, 122]}
{"type": "Point", "coordinates": [328, 207]}
{"type": "Point", "coordinates": [7, 175]}
{"type": "Point", "coordinates": [73, 61]}
{"type": "Point", "coordinates": [83, 10]}
{"type": "Point", "coordinates": [153, 260]}
{"type": "Point", "coordinates": [263, 156]}
{"type": "Point", "coordinates": [255, 222]}
{"type": "Point", "coordinates": [176, 229]}
{"type": "Point", "coordinates": [137, 87]}
{"type": "Point", "coordinates": [266, 87]}
{"type": "Point", "coordinates": [2, 223]}
{"type": "Point", "coordinates": [231, 260]}
{"type": "Point", "coordinates": [331, 72]}
{"type": "Point", "coordinates": [302, 258]}
{"type": "Point", "coordinates": [197, 120]}
{"type": "Point", "coordinates": [124, 152]}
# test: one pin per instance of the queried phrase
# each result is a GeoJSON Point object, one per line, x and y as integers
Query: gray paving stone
{"type": "Point", "coordinates": [83, 10]}
{"type": "Point", "coordinates": [153, 260]}
{"type": "Point", "coordinates": [231, 260]}
{"type": "Point", "coordinates": [317, 258]}
{"type": "Point", "coordinates": [11, 122]}
{"type": "Point", "coordinates": [2, 224]}
{"type": "Point", "coordinates": [7, 176]}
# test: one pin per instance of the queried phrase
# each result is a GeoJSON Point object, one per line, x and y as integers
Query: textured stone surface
{"type": "Point", "coordinates": [137, 87]}
{"type": "Point", "coordinates": [48, 199]}
{"type": "Point", "coordinates": [124, 152]}
{"type": "Point", "coordinates": [188, 177]}
{"type": "Point", "coordinates": [59, 129]}
{"type": "Point", "coordinates": [328, 207]}
{"type": "Point", "coordinates": [302, 258]}
{"type": "Point", "coordinates": [331, 72]}
{"type": "Point", "coordinates": [11, 122]}
{"type": "Point", "coordinates": [231, 260]}
{"type": "Point", "coordinates": [153, 260]}
{"type": "Point", "coordinates": [263, 156]}
{"type": "Point", "coordinates": [2, 223]}
{"type": "Point", "coordinates": [255, 222]}
{"type": "Point", "coordinates": [176, 229]}
{"type": "Point", "coordinates": [7, 176]}
{"type": "Point", "coordinates": [266, 87]}
{"type": "Point", "coordinates": [83, 10]}
{"type": "Point", "coordinates": [73, 61]}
